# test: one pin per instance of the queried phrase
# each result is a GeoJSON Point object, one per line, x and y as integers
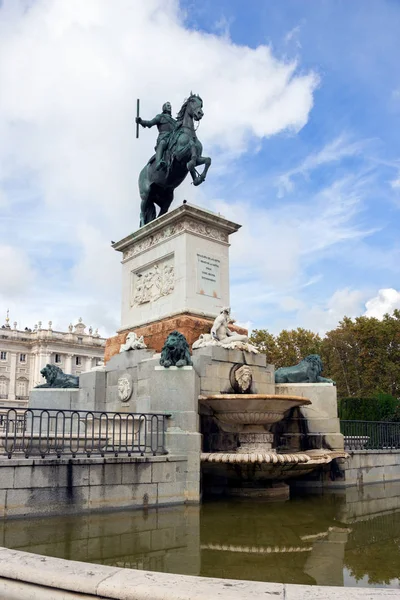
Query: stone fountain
{"type": "Point", "coordinates": [245, 460]}
{"type": "Point", "coordinates": [255, 468]}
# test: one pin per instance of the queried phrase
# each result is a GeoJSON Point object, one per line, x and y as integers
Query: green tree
{"type": "Point", "coordinates": [363, 356]}
{"type": "Point", "coordinates": [287, 348]}
{"type": "Point", "coordinates": [266, 343]}
{"type": "Point", "coordinates": [340, 355]}
{"type": "Point", "coordinates": [296, 344]}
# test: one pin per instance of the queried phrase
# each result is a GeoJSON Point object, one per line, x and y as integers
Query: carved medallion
{"type": "Point", "coordinates": [125, 387]}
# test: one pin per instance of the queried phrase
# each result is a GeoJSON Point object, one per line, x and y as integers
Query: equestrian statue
{"type": "Point", "coordinates": [178, 152]}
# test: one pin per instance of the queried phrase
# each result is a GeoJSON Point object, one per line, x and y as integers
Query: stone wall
{"type": "Point", "coordinates": [372, 466]}
{"type": "Point", "coordinates": [323, 426]}
{"type": "Point", "coordinates": [67, 486]}
{"type": "Point", "coordinates": [214, 365]}
{"type": "Point", "coordinates": [159, 390]}
{"type": "Point", "coordinates": [362, 467]}
{"type": "Point", "coordinates": [155, 333]}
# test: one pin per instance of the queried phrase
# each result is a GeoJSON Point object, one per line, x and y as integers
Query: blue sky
{"type": "Point", "coordinates": [302, 113]}
{"type": "Point", "coordinates": [354, 48]}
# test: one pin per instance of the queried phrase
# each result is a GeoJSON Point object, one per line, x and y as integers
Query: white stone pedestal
{"type": "Point", "coordinates": [177, 264]}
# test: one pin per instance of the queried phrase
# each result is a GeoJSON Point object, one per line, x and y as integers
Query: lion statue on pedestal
{"type": "Point", "coordinates": [55, 378]}
{"type": "Point", "coordinates": [307, 371]}
{"type": "Point", "coordinates": [175, 352]}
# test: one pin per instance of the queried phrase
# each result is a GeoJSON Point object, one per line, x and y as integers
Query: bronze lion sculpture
{"type": "Point", "coordinates": [175, 352]}
{"type": "Point", "coordinates": [55, 378]}
{"type": "Point", "coordinates": [307, 371]}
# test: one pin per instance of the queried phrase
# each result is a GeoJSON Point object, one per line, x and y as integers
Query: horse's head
{"type": "Point", "coordinates": [196, 107]}
{"type": "Point", "coordinates": [193, 107]}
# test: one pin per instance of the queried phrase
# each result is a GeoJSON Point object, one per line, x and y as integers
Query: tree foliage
{"type": "Point", "coordinates": [287, 348]}
{"type": "Point", "coordinates": [362, 355]}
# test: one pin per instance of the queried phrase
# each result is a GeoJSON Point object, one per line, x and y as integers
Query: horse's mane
{"type": "Point", "coordinates": [181, 113]}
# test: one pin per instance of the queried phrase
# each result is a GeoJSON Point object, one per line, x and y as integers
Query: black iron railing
{"type": "Point", "coordinates": [370, 435]}
{"type": "Point", "coordinates": [47, 432]}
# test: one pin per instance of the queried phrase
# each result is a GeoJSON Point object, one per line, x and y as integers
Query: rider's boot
{"type": "Point", "coordinates": [160, 162]}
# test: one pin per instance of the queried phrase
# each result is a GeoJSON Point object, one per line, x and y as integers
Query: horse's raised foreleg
{"type": "Point", "coordinates": [201, 160]}
{"type": "Point", "coordinates": [193, 160]}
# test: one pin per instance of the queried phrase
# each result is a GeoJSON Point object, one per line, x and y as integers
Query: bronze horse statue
{"type": "Point", "coordinates": [182, 156]}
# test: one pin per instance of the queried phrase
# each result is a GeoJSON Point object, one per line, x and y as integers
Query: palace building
{"type": "Point", "coordinates": [23, 353]}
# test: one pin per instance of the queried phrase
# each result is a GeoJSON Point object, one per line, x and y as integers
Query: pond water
{"type": "Point", "coordinates": [345, 539]}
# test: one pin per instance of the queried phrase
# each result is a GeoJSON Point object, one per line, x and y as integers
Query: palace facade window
{"type": "Point", "coordinates": [22, 388]}
{"type": "Point", "coordinates": [4, 387]}
{"type": "Point", "coordinates": [3, 355]}
{"type": "Point", "coordinates": [78, 361]}
{"type": "Point", "coordinates": [57, 358]}
{"type": "Point", "coordinates": [22, 358]}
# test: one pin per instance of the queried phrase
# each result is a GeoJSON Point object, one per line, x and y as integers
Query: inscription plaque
{"type": "Point", "coordinates": [208, 275]}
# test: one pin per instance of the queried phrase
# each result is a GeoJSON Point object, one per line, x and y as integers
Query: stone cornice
{"type": "Point", "coordinates": [186, 218]}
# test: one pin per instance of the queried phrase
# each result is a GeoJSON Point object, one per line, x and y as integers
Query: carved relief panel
{"type": "Point", "coordinates": [150, 283]}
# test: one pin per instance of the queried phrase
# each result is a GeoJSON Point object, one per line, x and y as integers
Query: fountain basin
{"type": "Point", "coordinates": [251, 409]}
{"type": "Point", "coordinates": [255, 469]}
{"type": "Point", "coordinates": [261, 474]}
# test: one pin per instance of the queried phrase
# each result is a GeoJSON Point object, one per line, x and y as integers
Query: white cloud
{"type": "Point", "coordinates": [15, 272]}
{"type": "Point", "coordinates": [343, 303]}
{"type": "Point", "coordinates": [384, 302]}
{"type": "Point", "coordinates": [275, 246]}
{"type": "Point", "coordinates": [349, 303]}
{"type": "Point", "coordinates": [293, 34]}
{"type": "Point", "coordinates": [334, 151]}
{"type": "Point", "coordinates": [70, 73]}
{"type": "Point", "coordinates": [395, 184]}
{"type": "Point", "coordinates": [318, 316]}
{"type": "Point", "coordinates": [323, 316]}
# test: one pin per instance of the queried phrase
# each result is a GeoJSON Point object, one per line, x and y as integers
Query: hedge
{"type": "Point", "coordinates": [380, 408]}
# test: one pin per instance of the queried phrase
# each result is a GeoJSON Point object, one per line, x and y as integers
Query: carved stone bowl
{"type": "Point", "coordinates": [249, 410]}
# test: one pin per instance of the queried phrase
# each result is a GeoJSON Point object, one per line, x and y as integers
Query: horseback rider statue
{"type": "Point", "coordinates": [178, 152]}
{"type": "Point", "coordinates": [165, 124]}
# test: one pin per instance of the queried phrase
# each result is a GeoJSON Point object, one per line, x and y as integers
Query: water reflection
{"type": "Point", "coordinates": [349, 538]}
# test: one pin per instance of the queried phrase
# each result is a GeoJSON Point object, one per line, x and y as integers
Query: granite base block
{"type": "Point", "coordinates": [54, 398]}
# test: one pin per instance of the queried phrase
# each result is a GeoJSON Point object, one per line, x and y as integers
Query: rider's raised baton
{"type": "Point", "coordinates": [137, 114]}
